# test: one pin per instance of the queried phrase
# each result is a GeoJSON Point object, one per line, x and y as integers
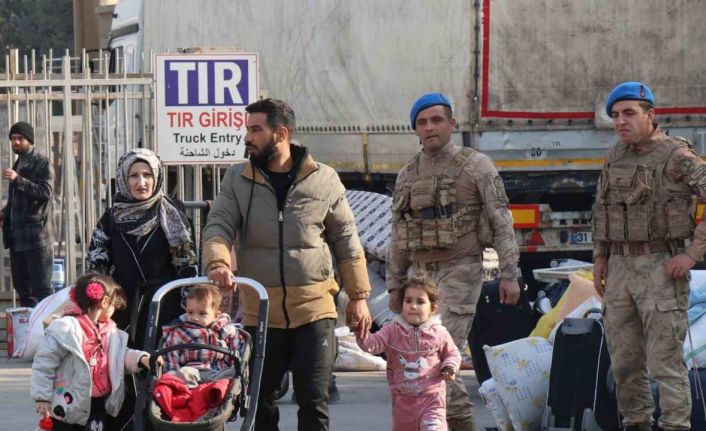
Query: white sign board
{"type": "Point", "coordinates": [200, 102]}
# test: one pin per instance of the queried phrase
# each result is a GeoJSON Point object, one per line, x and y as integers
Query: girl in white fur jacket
{"type": "Point", "coordinates": [78, 371]}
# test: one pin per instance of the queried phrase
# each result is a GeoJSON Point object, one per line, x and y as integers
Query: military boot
{"type": "Point", "coordinates": [461, 424]}
{"type": "Point", "coordinates": [638, 427]}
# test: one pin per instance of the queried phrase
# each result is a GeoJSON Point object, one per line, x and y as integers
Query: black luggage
{"type": "Point", "coordinates": [496, 323]}
{"type": "Point", "coordinates": [579, 398]}
{"type": "Point", "coordinates": [697, 381]}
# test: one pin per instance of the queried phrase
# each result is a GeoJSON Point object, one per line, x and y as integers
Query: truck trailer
{"type": "Point", "coordinates": [528, 80]}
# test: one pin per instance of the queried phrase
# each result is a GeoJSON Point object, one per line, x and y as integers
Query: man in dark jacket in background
{"type": "Point", "coordinates": [26, 218]}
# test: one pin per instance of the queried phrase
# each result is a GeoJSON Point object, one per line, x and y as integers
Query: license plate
{"type": "Point", "coordinates": [582, 237]}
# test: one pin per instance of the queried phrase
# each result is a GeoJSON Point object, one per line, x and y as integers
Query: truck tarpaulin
{"type": "Point", "coordinates": [539, 64]}
{"type": "Point", "coordinates": [331, 58]}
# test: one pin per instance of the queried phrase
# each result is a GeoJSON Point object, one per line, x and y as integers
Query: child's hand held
{"type": "Point", "coordinates": [43, 408]}
{"type": "Point", "coordinates": [448, 373]}
{"type": "Point", "coordinates": [145, 361]}
{"type": "Point", "coordinates": [355, 329]}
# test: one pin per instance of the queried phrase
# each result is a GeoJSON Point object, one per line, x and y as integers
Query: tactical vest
{"type": "Point", "coordinates": [639, 203]}
{"type": "Point", "coordinates": [425, 211]}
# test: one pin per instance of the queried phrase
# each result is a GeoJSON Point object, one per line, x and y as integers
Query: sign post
{"type": "Point", "coordinates": [200, 102]}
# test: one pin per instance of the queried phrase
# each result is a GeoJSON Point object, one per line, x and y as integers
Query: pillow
{"type": "Point", "coordinates": [695, 344]}
{"type": "Point", "coordinates": [697, 295]}
{"type": "Point", "coordinates": [521, 372]}
{"type": "Point", "coordinates": [492, 400]}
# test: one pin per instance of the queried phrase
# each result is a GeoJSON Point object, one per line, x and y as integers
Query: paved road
{"type": "Point", "coordinates": [364, 405]}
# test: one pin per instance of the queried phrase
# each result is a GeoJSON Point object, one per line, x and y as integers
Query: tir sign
{"type": "Point", "coordinates": [200, 102]}
{"type": "Point", "coordinates": [206, 83]}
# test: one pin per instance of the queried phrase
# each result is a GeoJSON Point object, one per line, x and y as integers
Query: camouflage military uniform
{"type": "Point", "coordinates": [474, 188]}
{"type": "Point", "coordinates": [643, 215]}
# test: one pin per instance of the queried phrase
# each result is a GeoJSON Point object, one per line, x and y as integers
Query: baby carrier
{"type": "Point", "coordinates": [242, 390]}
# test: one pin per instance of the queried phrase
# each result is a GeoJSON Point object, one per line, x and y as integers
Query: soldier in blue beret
{"type": "Point", "coordinates": [449, 204]}
{"type": "Point", "coordinates": [645, 243]}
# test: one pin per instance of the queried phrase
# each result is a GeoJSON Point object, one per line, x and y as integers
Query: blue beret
{"type": "Point", "coordinates": [629, 91]}
{"type": "Point", "coordinates": [427, 101]}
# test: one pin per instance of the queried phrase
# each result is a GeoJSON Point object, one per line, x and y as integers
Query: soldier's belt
{"type": "Point", "coordinates": [638, 248]}
{"type": "Point", "coordinates": [443, 264]}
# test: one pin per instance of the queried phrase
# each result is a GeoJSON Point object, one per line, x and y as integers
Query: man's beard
{"type": "Point", "coordinates": [20, 151]}
{"type": "Point", "coordinates": [265, 155]}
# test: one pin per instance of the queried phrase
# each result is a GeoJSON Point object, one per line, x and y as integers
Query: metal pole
{"type": "Point", "coordinates": [12, 72]}
{"type": "Point", "coordinates": [50, 154]}
{"type": "Point", "coordinates": [148, 116]}
{"type": "Point", "coordinates": [198, 189]}
{"type": "Point", "coordinates": [180, 182]}
{"type": "Point", "coordinates": [215, 181]}
{"type": "Point", "coordinates": [12, 67]}
{"type": "Point", "coordinates": [118, 127]}
{"type": "Point", "coordinates": [33, 76]}
{"type": "Point", "coordinates": [141, 127]}
{"type": "Point", "coordinates": [108, 151]}
{"type": "Point", "coordinates": [165, 179]}
{"type": "Point", "coordinates": [101, 156]}
{"type": "Point", "coordinates": [47, 120]}
{"type": "Point", "coordinates": [116, 114]}
{"type": "Point", "coordinates": [69, 176]}
{"type": "Point", "coordinates": [91, 194]}
{"type": "Point", "coordinates": [86, 171]}
{"type": "Point", "coordinates": [126, 128]}
{"type": "Point", "coordinates": [5, 163]}
{"type": "Point", "coordinates": [129, 143]}
{"type": "Point", "coordinates": [28, 112]}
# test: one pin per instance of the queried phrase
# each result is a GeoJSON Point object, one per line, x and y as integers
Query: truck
{"type": "Point", "coordinates": [528, 81]}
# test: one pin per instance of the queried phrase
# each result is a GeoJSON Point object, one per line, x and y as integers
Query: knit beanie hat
{"type": "Point", "coordinates": [629, 91]}
{"type": "Point", "coordinates": [24, 129]}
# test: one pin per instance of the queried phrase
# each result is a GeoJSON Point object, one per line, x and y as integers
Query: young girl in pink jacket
{"type": "Point", "coordinates": [420, 356]}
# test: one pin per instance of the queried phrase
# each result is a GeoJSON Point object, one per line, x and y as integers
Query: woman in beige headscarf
{"type": "Point", "coordinates": [143, 241]}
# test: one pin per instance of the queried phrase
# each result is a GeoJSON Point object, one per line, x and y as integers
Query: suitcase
{"type": "Point", "coordinates": [579, 398]}
{"type": "Point", "coordinates": [697, 381]}
{"type": "Point", "coordinates": [496, 323]}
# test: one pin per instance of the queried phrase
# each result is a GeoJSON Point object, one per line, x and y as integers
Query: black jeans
{"type": "Point", "coordinates": [31, 274]}
{"type": "Point", "coordinates": [308, 351]}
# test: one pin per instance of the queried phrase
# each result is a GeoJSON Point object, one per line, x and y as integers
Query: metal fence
{"type": "Point", "coordinates": [86, 114]}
